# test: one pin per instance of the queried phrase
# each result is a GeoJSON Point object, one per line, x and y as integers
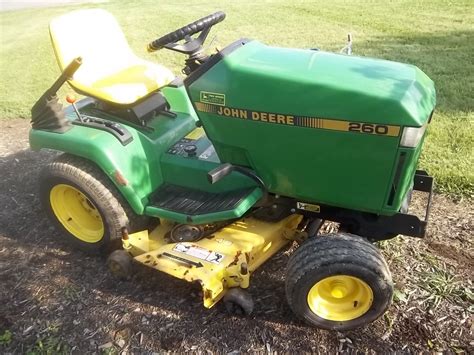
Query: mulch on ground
{"type": "Point", "coordinates": [58, 299]}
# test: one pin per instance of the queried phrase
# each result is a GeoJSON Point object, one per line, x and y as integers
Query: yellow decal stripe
{"type": "Point", "coordinates": [301, 121]}
{"type": "Point", "coordinates": [195, 134]}
{"type": "Point", "coordinates": [206, 107]}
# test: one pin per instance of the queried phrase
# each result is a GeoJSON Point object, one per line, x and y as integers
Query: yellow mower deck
{"type": "Point", "coordinates": [218, 262]}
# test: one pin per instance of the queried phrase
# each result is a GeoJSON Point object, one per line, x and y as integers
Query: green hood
{"type": "Point", "coordinates": [322, 84]}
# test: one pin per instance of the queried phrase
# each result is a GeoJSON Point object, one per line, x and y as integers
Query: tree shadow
{"type": "Point", "coordinates": [40, 274]}
{"type": "Point", "coordinates": [64, 293]}
{"type": "Point", "coordinates": [21, 213]}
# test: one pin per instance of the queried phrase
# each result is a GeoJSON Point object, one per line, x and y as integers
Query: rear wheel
{"type": "Point", "coordinates": [338, 282]}
{"type": "Point", "coordinates": [83, 203]}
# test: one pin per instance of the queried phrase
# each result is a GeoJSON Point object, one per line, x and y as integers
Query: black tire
{"type": "Point", "coordinates": [345, 256]}
{"type": "Point", "coordinates": [100, 194]}
{"type": "Point", "coordinates": [238, 302]}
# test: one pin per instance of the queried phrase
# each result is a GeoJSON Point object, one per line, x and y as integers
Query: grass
{"type": "Point", "coordinates": [48, 345]}
{"type": "Point", "coordinates": [6, 337]}
{"type": "Point", "coordinates": [433, 35]}
{"type": "Point", "coordinates": [441, 283]}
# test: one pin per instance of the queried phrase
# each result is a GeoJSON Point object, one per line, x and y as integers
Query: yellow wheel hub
{"type": "Point", "coordinates": [340, 298]}
{"type": "Point", "coordinates": [77, 213]}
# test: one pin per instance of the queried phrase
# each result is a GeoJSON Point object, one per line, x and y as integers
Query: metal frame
{"type": "Point", "coordinates": [378, 227]}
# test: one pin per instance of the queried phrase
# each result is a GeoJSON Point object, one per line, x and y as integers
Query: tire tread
{"type": "Point", "coordinates": [327, 252]}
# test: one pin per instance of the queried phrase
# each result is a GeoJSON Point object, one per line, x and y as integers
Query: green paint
{"type": "Point", "coordinates": [138, 161]}
{"type": "Point", "coordinates": [339, 168]}
{"type": "Point", "coordinates": [145, 163]}
{"type": "Point", "coordinates": [271, 92]}
{"type": "Point", "coordinates": [237, 212]}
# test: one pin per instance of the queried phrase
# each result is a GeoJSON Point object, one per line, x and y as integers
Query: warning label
{"type": "Point", "coordinates": [308, 207]}
{"type": "Point", "coordinates": [200, 253]}
{"type": "Point", "coordinates": [207, 153]}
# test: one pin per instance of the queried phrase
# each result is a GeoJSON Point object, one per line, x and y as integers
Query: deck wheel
{"type": "Point", "coordinates": [120, 264]}
{"type": "Point", "coordinates": [238, 302]}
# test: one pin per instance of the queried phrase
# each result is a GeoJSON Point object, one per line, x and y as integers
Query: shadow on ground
{"type": "Point", "coordinates": [61, 296]}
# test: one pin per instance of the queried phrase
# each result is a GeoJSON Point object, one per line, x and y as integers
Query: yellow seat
{"type": "Point", "coordinates": [110, 71]}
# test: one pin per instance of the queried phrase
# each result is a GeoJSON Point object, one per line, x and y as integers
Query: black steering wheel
{"type": "Point", "coordinates": [191, 46]}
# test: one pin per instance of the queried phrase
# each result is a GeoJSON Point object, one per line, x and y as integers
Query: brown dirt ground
{"type": "Point", "coordinates": [56, 299]}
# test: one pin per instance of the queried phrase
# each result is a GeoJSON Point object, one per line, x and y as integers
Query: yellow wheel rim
{"type": "Point", "coordinates": [77, 213]}
{"type": "Point", "coordinates": [340, 298]}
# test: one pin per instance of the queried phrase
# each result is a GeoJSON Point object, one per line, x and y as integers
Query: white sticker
{"type": "Point", "coordinates": [207, 153]}
{"type": "Point", "coordinates": [200, 253]}
{"type": "Point", "coordinates": [224, 241]}
{"type": "Point", "coordinates": [215, 258]}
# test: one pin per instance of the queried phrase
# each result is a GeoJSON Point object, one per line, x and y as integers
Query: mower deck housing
{"type": "Point", "coordinates": [218, 262]}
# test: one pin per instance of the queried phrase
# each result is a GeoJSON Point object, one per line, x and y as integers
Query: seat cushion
{"type": "Point", "coordinates": [127, 85]}
{"type": "Point", "coordinates": [110, 71]}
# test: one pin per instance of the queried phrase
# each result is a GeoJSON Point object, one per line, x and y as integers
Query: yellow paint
{"type": "Point", "coordinates": [110, 70]}
{"type": "Point", "coordinates": [206, 107]}
{"type": "Point", "coordinates": [246, 114]}
{"type": "Point", "coordinates": [76, 213]}
{"type": "Point", "coordinates": [195, 134]}
{"type": "Point", "coordinates": [248, 241]}
{"type": "Point", "coordinates": [308, 207]}
{"type": "Point", "coordinates": [340, 298]}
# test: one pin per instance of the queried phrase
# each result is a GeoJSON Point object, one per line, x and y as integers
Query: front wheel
{"type": "Point", "coordinates": [338, 282]}
{"type": "Point", "coordinates": [83, 203]}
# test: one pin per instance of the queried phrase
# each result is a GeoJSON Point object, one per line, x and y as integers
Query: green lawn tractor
{"type": "Point", "coordinates": [207, 177]}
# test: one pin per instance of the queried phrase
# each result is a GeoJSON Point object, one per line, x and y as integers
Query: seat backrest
{"type": "Point", "coordinates": [94, 35]}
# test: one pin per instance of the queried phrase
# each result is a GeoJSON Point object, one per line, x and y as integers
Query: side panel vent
{"type": "Point", "coordinates": [396, 178]}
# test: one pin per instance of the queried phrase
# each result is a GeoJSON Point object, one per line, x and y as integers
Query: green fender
{"type": "Point", "coordinates": [138, 161]}
{"type": "Point", "coordinates": [112, 158]}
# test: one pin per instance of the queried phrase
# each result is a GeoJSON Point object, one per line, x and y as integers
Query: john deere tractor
{"type": "Point", "coordinates": [208, 176]}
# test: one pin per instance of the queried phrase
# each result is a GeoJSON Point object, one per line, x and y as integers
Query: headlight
{"type": "Point", "coordinates": [411, 136]}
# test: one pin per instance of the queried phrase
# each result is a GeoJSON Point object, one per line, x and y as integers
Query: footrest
{"type": "Point", "coordinates": [187, 205]}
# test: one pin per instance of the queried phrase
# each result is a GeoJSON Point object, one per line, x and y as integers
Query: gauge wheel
{"type": "Point", "coordinates": [120, 264]}
{"type": "Point", "coordinates": [84, 204]}
{"type": "Point", "coordinates": [238, 302]}
{"type": "Point", "coordinates": [338, 282]}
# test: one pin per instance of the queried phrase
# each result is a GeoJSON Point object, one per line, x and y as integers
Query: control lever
{"type": "Point", "coordinates": [72, 100]}
{"type": "Point", "coordinates": [223, 170]}
{"type": "Point", "coordinates": [220, 172]}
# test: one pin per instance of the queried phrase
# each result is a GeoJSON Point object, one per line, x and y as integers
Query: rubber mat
{"type": "Point", "coordinates": [196, 202]}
